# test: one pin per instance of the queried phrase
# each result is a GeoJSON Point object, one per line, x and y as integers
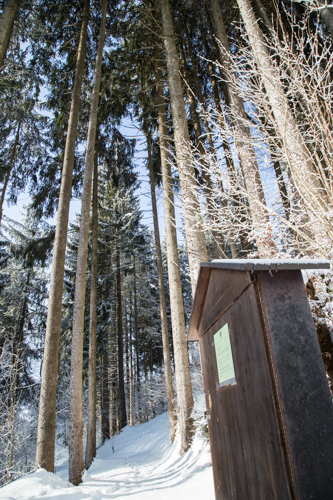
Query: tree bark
{"type": "Point", "coordinates": [163, 311]}
{"type": "Point", "coordinates": [105, 402]}
{"type": "Point", "coordinates": [282, 189]}
{"type": "Point", "coordinates": [326, 14]}
{"type": "Point", "coordinates": [126, 343]}
{"type": "Point", "coordinates": [130, 347]}
{"type": "Point", "coordinates": [136, 326]}
{"type": "Point", "coordinates": [76, 466]}
{"type": "Point", "coordinates": [314, 196]}
{"type": "Point", "coordinates": [151, 363]}
{"type": "Point", "coordinates": [220, 114]}
{"type": "Point", "coordinates": [205, 167]}
{"type": "Point", "coordinates": [46, 420]}
{"type": "Point", "coordinates": [195, 238]}
{"type": "Point", "coordinates": [263, 14]}
{"type": "Point", "coordinates": [144, 336]}
{"type": "Point", "coordinates": [91, 427]}
{"type": "Point", "coordinates": [113, 394]}
{"type": "Point", "coordinates": [182, 369]}
{"type": "Point", "coordinates": [6, 27]}
{"type": "Point", "coordinates": [121, 390]}
{"type": "Point", "coordinates": [197, 85]}
{"type": "Point", "coordinates": [226, 146]}
{"type": "Point", "coordinates": [244, 145]}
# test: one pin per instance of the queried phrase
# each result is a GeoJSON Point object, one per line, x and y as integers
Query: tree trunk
{"type": "Point", "coordinates": [220, 114]}
{"type": "Point", "coordinates": [226, 146]}
{"type": "Point", "coordinates": [151, 362]}
{"type": "Point", "coordinates": [198, 85]}
{"type": "Point", "coordinates": [136, 327]}
{"type": "Point", "coordinates": [244, 145]}
{"type": "Point", "coordinates": [105, 403]}
{"type": "Point", "coordinates": [46, 420]}
{"type": "Point", "coordinates": [113, 394]}
{"type": "Point", "coordinates": [6, 27]}
{"type": "Point", "coordinates": [326, 14]}
{"type": "Point", "coordinates": [205, 166]}
{"type": "Point", "coordinates": [232, 172]}
{"type": "Point", "coordinates": [144, 336]}
{"type": "Point", "coordinates": [91, 427]}
{"type": "Point", "coordinates": [126, 344]}
{"type": "Point", "coordinates": [195, 238]}
{"type": "Point", "coordinates": [263, 14]}
{"type": "Point", "coordinates": [76, 466]}
{"type": "Point", "coordinates": [131, 420]}
{"type": "Point", "coordinates": [12, 412]}
{"type": "Point", "coordinates": [183, 378]}
{"type": "Point", "coordinates": [12, 156]}
{"type": "Point", "coordinates": [282, 189]}
{"type": "Point", "coordinates": [121, 390]}
{"type": "Point", "coordinates": [130, 346]}
{"type": "Point", "coordinates": [315, 197]}
{"type": "Point", "coordinates": [163, 311]}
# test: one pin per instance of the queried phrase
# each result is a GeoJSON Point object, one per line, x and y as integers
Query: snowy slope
{"type": "Point", "coordinates": [138, 464]}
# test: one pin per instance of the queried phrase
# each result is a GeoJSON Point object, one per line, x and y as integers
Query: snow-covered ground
{"type": "Point", "coordinates": [138, 464]}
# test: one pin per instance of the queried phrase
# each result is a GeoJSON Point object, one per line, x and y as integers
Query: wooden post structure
{"type": "Point", "coordinates": [269, 408]}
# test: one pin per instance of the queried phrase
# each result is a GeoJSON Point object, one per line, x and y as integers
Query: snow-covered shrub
{"type": "Point", "coordinates": [320, 292]}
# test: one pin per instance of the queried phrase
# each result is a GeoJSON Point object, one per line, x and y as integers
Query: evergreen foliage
{"type": "Point", "coordinates": [245, 188]}
{"type": "Point", "coordinates": [23, 309]}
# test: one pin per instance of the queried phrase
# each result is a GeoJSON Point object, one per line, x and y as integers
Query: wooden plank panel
{"type": "Point", "coordinates": [306, 404]}
{"type": "Point", "coordinates": [247, 452]}
{"type": "Point", "coordinates": [217, 442]}
{"type": "Point", "coordinates": [223, 288]}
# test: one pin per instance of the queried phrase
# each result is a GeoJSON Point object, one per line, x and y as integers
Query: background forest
{"type": "Point", "coordinates": [234, 100]}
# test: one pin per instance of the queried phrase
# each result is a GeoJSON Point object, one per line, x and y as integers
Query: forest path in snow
{"type": "Point", "coordinates": [138, 464]}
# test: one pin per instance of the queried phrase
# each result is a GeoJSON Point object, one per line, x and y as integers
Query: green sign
{"type": "Point", "coordinates": [225, 364]}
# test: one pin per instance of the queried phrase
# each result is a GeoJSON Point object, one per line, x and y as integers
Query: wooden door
{"type": "Point", "coordinates": [246, 443]}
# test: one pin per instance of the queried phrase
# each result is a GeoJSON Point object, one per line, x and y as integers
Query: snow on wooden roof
{"type": "Point", "coordinates": [268, 264]}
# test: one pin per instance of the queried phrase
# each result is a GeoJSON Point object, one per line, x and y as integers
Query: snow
{"type": "Point", "coordinates": [269, 264]}
{"type": "Point", "coordinates": [138, 464]}
{"type": "Point", "coordinates": [307, 274]}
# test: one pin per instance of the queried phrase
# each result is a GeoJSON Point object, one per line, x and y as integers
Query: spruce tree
{"type": "Point", "coordinates": [191, 208]}
{"type": "Point", "coordinates": [46, 421]}
{"type": "Point", "coordinates": [76, 427]}
{"type": "Point", "coordinates": [22, 326]}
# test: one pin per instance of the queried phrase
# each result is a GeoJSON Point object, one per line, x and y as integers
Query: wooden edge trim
{"type": "Point", "coordinates": [198, 303]}
{"type": "Point", "coordinates": [225, 310]}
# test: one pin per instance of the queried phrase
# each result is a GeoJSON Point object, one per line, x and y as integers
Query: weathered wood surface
{"type": "Point", "coordinates": [200, 296]}
{"type": "Point", "coordinates": [247, 451]}
{"type": "Point", "coordinates": [213, 303]}
{"type": "Point", "coordinates": [271, 434]}
{"type": "Point", "coordinates": [300, 380]}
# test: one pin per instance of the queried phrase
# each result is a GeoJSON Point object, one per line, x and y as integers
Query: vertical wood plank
{"type": "Point", "coordinates": [247, 452]}
{"type": "Point", "coordinates": [300, 380]}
